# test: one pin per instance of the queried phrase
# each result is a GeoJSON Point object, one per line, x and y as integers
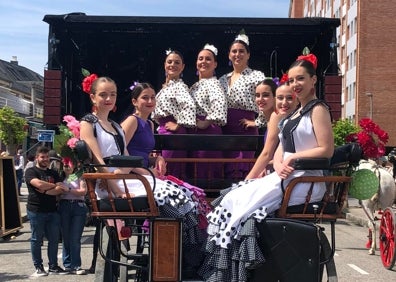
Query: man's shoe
{"type": "Point", "coordinates": [79, 271]}
{"type": "Point", "coordinates": [39, 272]}
{"type": "Point", "coordinates": [57, 270]}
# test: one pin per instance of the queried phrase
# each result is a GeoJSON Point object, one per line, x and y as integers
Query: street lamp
{"type": "Point", "coordinates": [370, 95]}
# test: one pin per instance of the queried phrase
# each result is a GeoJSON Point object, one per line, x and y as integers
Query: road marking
{"type": "Point", "coordinates": [358, 269]}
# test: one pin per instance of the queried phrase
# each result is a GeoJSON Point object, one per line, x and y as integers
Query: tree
{"type": "Point", "coordinates": [341, 129]}
{"type": "Point", "coordinates": [12, 129]}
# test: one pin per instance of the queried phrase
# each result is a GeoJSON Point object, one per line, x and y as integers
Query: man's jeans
{"type": "Point", "coordinates": [48, 224]}
{"type": "Point", "coordinates": [19, 177]}
{"type": "Point", "coordinates": [73, 215]}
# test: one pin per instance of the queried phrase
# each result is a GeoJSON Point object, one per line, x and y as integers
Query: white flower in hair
{"type": "Point", "coordinates": [243, 37]}
{"type": "Point", "coordinates": [211, 48]}
{"type": "Point", "coordinates": [167, 52]}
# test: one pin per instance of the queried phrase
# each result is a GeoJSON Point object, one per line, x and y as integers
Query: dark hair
{"type": "Point", "coordinates": [309, 67]}
{"type": "Point", "coordinates": [138, 89]}
{"type": "Point", "coordinates": [269, 82]}
{"type": "Point", "coordinates": [243, 43]}
{"type": "Point", "coordinates": [42, 150]}
{"type": "Point", "coordinates": [94, 85]}
{"type": "Point", "coordinates": [177, 53]}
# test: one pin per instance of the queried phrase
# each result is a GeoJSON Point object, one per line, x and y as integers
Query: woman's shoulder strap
{"type": "Point", "coordinates": [311, 104]}
{"type": "Point", "coordinates": [116, 126]}
{"type": "Point", "coordinates": [90, 118]}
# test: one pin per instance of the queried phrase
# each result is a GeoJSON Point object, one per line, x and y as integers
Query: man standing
{"type": "Point", "coordinates": [19, 164]}
{"type": "Point", "coordinates": [43, 186]}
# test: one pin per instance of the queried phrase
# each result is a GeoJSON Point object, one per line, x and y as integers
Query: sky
{"type": "Point", "coordinates": [24, 34]}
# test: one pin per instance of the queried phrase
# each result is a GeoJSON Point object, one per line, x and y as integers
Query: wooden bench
{"type": "Point", "coordinates": [223, 143]}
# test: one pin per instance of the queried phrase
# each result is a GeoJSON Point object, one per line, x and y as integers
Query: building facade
{"type": "Point", "coordinates": [366, 42]}
{"type": "Point", "coordinates": [22, 90]}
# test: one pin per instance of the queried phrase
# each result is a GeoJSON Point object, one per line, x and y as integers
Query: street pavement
{"type": "Point", "coordinates": [18, 267]}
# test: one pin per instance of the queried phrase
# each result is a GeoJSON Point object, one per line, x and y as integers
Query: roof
{"type": "Point", "coordinates": [133, 48]}
{"type": "Point", "coordinates": [12, 72]}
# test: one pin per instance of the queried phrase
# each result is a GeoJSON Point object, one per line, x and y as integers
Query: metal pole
{"type": "Point", "coordinates": [370, 95]}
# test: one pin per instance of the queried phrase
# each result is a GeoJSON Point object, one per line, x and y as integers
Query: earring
{"type": "Point", "coordinates": [197, 73]}
{"type": "Point", "coordinates": [229, 63]}
{"type": "Point", "coordinates": [114, 109]}
{"type": "Point", "coordinates": [181, 75]}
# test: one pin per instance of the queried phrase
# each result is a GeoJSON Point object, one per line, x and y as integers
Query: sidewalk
{"type": "Point", "coordinates": [354, 212]}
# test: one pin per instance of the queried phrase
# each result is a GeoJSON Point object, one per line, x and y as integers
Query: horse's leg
{"type": "Point", "coordinates": [368, 210]}
{"type": "Point", "coordinates": [374, 238]}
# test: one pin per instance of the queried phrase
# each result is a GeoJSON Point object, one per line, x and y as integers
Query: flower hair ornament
{"type": "Point", "coordinates": [88, 80]}
{"type": "Point", "coordinates": [67, 161]}
{"type": "Point", "coordinates": [307, 56]}
{"type": "Point", "coordinates": [133, 85]}
{"type": "Point", "coordinates": [284, 79]}
{"type": "Point", "coordinates": [167, 52]}
{"type": "Point", "coordinates": [210, 48]}
{"type": "Point", "coordinates": [242, 37]}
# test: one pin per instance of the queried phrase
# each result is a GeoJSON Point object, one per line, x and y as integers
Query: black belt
{"type": "Point", "coordinates": [73, 201]}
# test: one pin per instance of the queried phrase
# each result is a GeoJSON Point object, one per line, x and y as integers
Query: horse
{"type": "Point", "coordinates": [385, 197]}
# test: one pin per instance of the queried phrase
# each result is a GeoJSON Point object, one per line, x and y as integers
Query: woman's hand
{"type": "Point", "coordinates": [160, 166]}
{"type": "Point", "coordinates": [124, 195]}
{"type": "Point", "coordinates": [285, 168]}
{"type": "Point", "coordinates": [171, 126]}
{"type": "Point", "coordinates": [203, 124]}
{"type": "Point", "coordinates": [246, 123]}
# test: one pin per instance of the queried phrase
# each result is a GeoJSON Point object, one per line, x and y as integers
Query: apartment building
{"type": "Point", "coordinates": [366, 41]}
{"type": "Point", "coordinates": [23, 90]}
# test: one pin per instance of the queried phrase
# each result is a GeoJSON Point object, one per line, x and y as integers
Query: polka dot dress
{"type": "Point", "coordinates": [210, 100]}
{"type": "Point", "coordinates": [175, 100]}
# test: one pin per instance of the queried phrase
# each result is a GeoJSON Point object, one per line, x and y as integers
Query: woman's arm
{"type": "Point", "coordinates": [271, 143]}
{"type": "Point", "coordinates": [87, 134]}
{"type": "Point", "coordinates": [321, 123]}
{"type": "Point", "coordinates": [129, 125]}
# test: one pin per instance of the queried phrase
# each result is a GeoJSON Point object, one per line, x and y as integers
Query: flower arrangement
{"type": "Point", "coordinates": [371, 138]}
{"type": "Point", "coordinates": [69, 134]}
{"type": "Point", "coordinates": [73, 126]}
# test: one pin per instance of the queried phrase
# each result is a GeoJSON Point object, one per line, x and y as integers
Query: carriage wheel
{"type": "Point", "coordinates": [387, 238]}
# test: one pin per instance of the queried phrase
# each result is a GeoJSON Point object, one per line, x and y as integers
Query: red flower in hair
{"type": "Point", "coordinates": [87, 83]}
{"type": "Point", "coordinates": [284, 79]}
{"type": "Point", "coordinates": [310, 58]}
{"type": "Point", "coordinates": [67, 161]}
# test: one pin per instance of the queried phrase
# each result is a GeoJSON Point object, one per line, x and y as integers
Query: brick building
{"type": "Point", "coordinates": [366, 50]}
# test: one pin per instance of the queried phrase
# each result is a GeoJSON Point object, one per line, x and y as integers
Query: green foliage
{"type": "Point", "coordinates": [60, 142]}
{"type": "Point", "coordinates": [341, 129]}
{"type": "Point", "coordinates": [12, 127]}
